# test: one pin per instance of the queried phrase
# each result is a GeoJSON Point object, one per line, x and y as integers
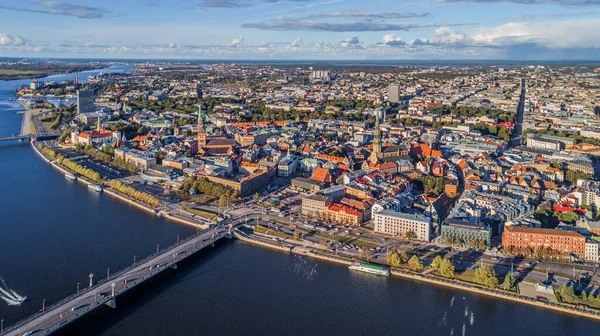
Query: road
{"type": "Point", "coordinates": [518, 129]}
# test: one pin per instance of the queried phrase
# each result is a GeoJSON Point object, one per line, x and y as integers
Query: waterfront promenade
{"type": "Point", "coordinates": [105, 292]}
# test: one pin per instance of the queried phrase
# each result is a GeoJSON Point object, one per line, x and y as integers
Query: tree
{"type": "Point", "coordinates": [568, 217]}
{"type": "Point", "coordinates": [584, 295]}
{"type": "Point", "coordinates": [446, 269]}
{"type": "Point", "coordinates": [436, 262]}
{"type": "Point", "coordinates": [393, 259]}
{"type": "Point", "coordinates": [486, 276]}
{"type": "Point", "coordinates": [415, 264]}
{"type": "Point", "coordinates": [256, 197]}
{"type": "Point", "coordinates": [403, 257]}
{"type": "Point", "coordinates": [410, 235]}
{"type": "Point", "coordinates": [509, 281]}
{"type": "Point", "coordinates": [567, 294]}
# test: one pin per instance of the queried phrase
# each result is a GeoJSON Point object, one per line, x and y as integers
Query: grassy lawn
{"type": "Point", "coordinates": [271, 232]}
{"type": "Point", "coordinates": [202, 213]}
{"type": "Point", "coordinates": [202, 199]}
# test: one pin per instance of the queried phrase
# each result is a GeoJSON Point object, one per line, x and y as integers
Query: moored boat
{"type": "Point", "coordinates": [95, 187]}
{"type": "Point", "coordinates": [70, 176]}
{"type": "Point", "coordinates": [370, 268]}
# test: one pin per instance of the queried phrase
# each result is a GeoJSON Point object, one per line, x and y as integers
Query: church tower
{"type": "Point", "coordinates": [201, 130]}
{"type": "Point", "coordinates": [376, 142]}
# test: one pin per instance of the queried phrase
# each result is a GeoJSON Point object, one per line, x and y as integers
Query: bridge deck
{"type": "Point", "coordinates": [75, 306]}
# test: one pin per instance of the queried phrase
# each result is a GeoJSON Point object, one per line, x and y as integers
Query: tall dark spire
{"type": "Point", "coordinates": [377, 140]}
{"type": "Point", "coordinates": [201, 130]}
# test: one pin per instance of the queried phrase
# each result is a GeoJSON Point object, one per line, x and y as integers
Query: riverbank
{"type": "Point", "coordinates": [455, 284]}
{"type": "Point", "coordinates": [114, 193]}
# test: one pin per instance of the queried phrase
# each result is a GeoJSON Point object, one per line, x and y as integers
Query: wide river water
{"type": "Point", "coordinates": [54, 232]}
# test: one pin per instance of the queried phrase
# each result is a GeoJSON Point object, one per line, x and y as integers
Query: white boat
{"type": "Point", "coordinates": [370, 268]}
{"type": "Point", "coordinates": [95, 187]}
{"type": "Point", "coordinates": [70, 176]}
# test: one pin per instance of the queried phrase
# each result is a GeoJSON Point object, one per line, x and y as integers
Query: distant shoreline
{"type": "Point", "coordinates": [23, 74]}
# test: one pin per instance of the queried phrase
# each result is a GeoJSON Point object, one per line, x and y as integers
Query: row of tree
{"type": "Point", "coordinates": [474, 244]}
{"type": "Point", "coordinates": [205, 186]}
{"type": "Point", "coordinates": [135, 194]}
{"type": "Point", "coordinates": [541, 253]}
{"type": "Point", "coordinates": [79, 169]}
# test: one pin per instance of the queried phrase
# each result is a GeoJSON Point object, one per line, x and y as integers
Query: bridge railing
{"type": "Point", "coordinates": [103, 281]}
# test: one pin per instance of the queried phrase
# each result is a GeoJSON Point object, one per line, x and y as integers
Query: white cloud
{"type": "Point", "coordinates": [392, 40]}
{"type": "Point", "coordinates": [236, 41]}
{"type": "Point", "coordinates": [296, 42]}
{"type": "Point", "coordinates": [9, 40]}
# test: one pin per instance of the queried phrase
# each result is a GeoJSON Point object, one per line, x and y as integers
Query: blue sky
{"type": "Point", "coordinates": [302, 29]}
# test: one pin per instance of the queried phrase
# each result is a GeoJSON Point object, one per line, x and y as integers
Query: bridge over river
{"type": "Point", "coordinates": [105, 292]}
{"type": "Point", "coordinates": [32, 137]}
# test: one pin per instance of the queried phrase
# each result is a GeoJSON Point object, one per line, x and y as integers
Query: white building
{"type": "Point", "coordinates": [397, 223]}
{"type": "Point", "coordinates": [592, 249]}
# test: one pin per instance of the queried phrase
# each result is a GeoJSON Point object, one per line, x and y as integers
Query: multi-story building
{"type": "Point", "coordinates": [592, 251]}
{"type": "Point", "coordinates": [315, 205]}
{"type": "Point", "coordinates": [566, 242]}
{"type": "Point", "coordinates": [85, 101]}
{"type": "Point", "coordinates": [139, 158]}
{"type": "Point", "coordinates": [36, 84]}
{"type": "Point", "coordinates": [394, 93]}
{"type": "Point", "coordinates": [544, 143]}
{"type": "Point", "coordinates": [397, 223]}
{"type": "Point", "coordinates": [465, 232]}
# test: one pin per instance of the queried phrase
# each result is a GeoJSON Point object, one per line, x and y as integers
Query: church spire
{"type": "Point", "coordinates": [201, 130]}
{"type": "Point", "coordinates": [377, 140]}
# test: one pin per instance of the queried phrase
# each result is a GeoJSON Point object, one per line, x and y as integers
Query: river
{"type": "Point", "coordinates": [54, 232]}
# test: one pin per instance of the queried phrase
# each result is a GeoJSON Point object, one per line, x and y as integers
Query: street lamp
{"type": "Point", "coordinates": [43, 305]}
{"type": "Point", "coordinates": [1, 327]}
{"type": "Point", "coordinates": [113, 289]}
{"type": "Point", "coordinates": [91, 279]}
{"type": "Point", "coordinates": [157, 245]}
{"type": "Point", "coordinates": [177, 239]}
{"type": "Point", "coordinates": [78, 288]}
{"type": "Point", "coordinates": [108, 273]}
{"type": "Point", "coordinates": [134, 260]}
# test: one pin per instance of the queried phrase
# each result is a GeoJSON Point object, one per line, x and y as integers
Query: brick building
{"type": "Point", "coordinates": [566, 242]}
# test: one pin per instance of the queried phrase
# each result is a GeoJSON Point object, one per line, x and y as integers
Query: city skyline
{"type": "Point", "coordinates": [303, 29]}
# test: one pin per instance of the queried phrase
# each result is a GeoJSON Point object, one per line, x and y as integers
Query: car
{"type": "Point", "coordinates": [494, 258]}
{"type": "Point", "coordinates": [153, 267]}
{"type": "Point", "coordinates": [74, 308]}
{"type": "Point", "coordinates": [522, 270]}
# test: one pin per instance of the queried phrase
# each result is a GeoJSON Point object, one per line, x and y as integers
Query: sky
{"type": "Point", "coordinates": [302, 29]}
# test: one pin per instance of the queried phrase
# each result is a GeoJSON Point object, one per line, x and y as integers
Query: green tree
{"type": "Point", "coordinates": [393, 259]}
{"type": "Point", "coordinates": [415, 263]}
{"type": "Point", "coordinates": [567, 294]}
{"type": "Point", "coordinates": [436, 262]}
{"type": "Point", "coordinates": [509, 281]}
{"type": "Point", "coordinates": [568, 217]}
{"type": "Point", "coordinates": [256, 197]}
{"type": "Point", "coordinates": [486, 276]}
{"type": "Point", "coordinates": [403, 257]}
{"type": "Point", "coordinates": [410, 235]}
{"type": "Point", "coordinates": [446, 269]}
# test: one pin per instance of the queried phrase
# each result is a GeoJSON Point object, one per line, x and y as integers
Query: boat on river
{"type": "Point", "coordinates": [370, 268]}
{"type": "Point", "coordinates": [70, 176]}
{"type": "Point", "coordinates": [95, 187]}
